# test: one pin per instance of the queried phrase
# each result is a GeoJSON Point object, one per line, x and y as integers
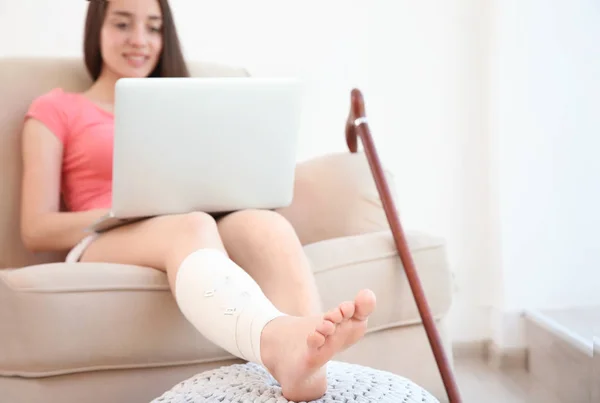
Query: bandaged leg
{"type": "Point", "coordinates": [224, 303]}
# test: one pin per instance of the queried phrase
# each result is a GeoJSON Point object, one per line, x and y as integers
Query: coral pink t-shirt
{"type": "Point", "coordinates": [86, 132]}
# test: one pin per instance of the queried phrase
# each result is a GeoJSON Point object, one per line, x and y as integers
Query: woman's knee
{"type": "Point", "coordinates": [255, 225]}
{"type": "Point", "coordinates": [195, 223]}
{"type": "Point", "coordinates": [190, 232]}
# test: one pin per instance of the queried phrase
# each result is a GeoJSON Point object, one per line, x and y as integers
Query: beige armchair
{"type": "Point", "coordinates": [113, 333]}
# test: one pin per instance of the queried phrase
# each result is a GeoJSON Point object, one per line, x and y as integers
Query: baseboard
{"type": "Point", "coordinates": [490, 352]}
{"type": "Point", "coordinates": [467, 350]}
{"type": "Point", "coordinates": [504, 348]}
{"type": "Point", "coordinates": [505, 358]}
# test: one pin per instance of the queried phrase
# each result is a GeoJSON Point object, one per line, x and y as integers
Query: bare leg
{"type": "Point", "coordinates": [161, 242]}
{"type": "Point", "coordinates": [294, 349]}
{"type": "Point", "coordinates": [265, 244]}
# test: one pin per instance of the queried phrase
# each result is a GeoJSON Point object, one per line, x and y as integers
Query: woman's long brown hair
{"type": "Point", "coordinates": [170, 63]}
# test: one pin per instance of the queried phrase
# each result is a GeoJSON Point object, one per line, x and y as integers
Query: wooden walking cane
{"type": "Point", "coordinates": [356, 126]}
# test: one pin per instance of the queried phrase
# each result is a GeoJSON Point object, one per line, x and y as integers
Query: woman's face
{"type": "Point", "coordinates": [131, 39]}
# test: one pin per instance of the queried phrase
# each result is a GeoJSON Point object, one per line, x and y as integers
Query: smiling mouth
{"type": "Point", "coordinates": [136, 60]}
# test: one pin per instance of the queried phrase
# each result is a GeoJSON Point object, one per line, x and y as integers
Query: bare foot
{"type": "Point", "coordinates": [296, 349]}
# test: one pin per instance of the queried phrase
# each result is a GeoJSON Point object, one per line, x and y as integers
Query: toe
{"type": "Point", "coordinates": [326, 328]}
{"type": "Point", "coordinates": [315, 340]}
{"type": "Point", "coordinates": [364, 304]}
{"type": "Point", "coordinates": [335, 316]}
{"type": "Point", "coordinates": [347, 309]}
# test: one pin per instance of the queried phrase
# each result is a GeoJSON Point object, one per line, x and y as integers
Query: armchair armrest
{"type": "Point", "coordinates": [346, 265]}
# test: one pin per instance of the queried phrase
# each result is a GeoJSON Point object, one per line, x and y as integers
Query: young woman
{"type": "Point", "coordinates": [269, 311]}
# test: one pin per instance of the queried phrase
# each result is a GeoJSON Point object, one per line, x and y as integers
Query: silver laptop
{"type": "Point", "coordinates": [202, 144]}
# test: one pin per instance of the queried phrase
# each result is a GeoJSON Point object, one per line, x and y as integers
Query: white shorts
{"type": "Point", "coordinates": [75, 254]}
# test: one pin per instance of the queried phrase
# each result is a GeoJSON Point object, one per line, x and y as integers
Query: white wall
{"type": "Point", "coordinates": [545, 131]}
{"type": "Point", "coordinates": [420, 65]}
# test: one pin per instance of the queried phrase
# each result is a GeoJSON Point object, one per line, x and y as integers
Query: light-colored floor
{"type": "Point", "coordinates": [480, 383]}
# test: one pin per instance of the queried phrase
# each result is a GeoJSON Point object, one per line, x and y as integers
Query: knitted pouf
{"type": "Point", "coordinates": [249, 383]}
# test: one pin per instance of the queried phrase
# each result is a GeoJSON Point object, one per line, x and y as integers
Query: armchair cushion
{"type": "Point", "coordinates": [63, 318]}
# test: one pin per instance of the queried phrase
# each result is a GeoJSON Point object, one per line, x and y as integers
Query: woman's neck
{"type": "Point", "coordinates": [103, 89]}
{"type": "Point", "coordinates": [102, 92]}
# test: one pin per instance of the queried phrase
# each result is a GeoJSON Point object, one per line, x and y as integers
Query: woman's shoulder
{"type": "Point", "coordinates": [55, 98]}
{"type": "Point", "coordinates": [55, 109]}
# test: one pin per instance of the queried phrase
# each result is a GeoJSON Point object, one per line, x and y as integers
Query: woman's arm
{"type": "Point", "coordinates": [43, 226]}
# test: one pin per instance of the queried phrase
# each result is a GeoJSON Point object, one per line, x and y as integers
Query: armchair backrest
{"type": "Point", "coordinates": [22, 80]}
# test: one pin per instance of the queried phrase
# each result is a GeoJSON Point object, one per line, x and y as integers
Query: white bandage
{"type": "Point", "coordinates": [224, 303]}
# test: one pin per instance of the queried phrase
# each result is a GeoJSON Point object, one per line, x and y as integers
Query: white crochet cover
{"type": "Point", "coordinates": [251, 383]}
